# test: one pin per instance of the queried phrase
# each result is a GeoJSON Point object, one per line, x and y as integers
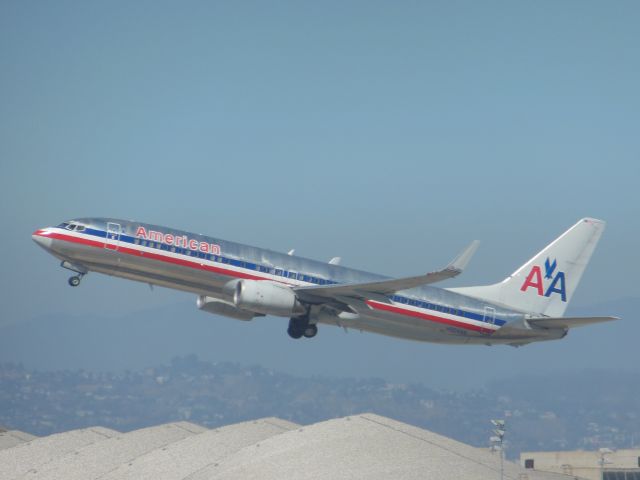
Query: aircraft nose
{"type": "Point", "coordinates": [41, 237]}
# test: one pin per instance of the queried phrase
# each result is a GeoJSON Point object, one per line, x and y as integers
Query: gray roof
{"type": "Point", "coordinates": [362, 446]}
{"type": "Point", "coordinates": [11, 438]}
{"type": "Point", "coordinates": [94, 460]}
{"type": "Point", "coordinates": [179, 459]}
{"type": "Point", "coordinates": [32, 455]}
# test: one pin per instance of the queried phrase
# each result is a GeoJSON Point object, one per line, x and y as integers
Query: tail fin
{"type": "Point", "coordinates": [545, 284]}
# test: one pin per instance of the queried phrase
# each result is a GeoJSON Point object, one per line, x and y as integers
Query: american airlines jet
{"type": "Point", "coordinates": [244, 282]}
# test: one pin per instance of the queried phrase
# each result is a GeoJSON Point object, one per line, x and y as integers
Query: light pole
{"type": "Point", "coordinates": [604, 460]}
{"type": "Point", "coordinates": [497, 442]}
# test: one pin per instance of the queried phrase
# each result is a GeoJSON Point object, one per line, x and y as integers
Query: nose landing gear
{"type": "Point", "coordinates": [79, 269]}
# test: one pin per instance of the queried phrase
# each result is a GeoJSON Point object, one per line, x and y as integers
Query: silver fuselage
{"type": "Point", "coordinates": [205, 265]}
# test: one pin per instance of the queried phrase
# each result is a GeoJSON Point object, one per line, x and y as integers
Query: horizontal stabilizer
{"type": "Point", "coordinates": [387, 287]}
{"type": "Point", "coordinates": [567, 322]}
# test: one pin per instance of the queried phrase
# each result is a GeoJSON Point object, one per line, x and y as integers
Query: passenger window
{"type": "Point", "coordinates": [292, 274]}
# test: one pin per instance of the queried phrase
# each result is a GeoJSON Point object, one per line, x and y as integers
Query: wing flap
{"type": "Point", "coordinates": [567, 322]}
{"type": "Point", "coordinates": [387, 287]}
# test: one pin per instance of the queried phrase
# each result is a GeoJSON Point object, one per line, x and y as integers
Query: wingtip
{"type": "Point", "coordinates": [593, 221]}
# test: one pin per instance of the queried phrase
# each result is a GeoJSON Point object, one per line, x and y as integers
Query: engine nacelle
{"type": "Point", "coordinates": [220, 307]}
{"type": "Point", "coordinates": [267, 297]}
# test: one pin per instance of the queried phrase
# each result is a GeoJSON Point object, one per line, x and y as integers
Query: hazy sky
{"type": "Point", "coordinates": [389, 133]}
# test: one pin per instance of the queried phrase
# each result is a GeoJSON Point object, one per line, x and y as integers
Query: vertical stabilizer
{"type": "Point", "coordinates": [545, 284]}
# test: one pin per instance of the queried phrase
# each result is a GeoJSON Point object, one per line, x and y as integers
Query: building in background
{"type": "Point", "coordinates": [603, 464]}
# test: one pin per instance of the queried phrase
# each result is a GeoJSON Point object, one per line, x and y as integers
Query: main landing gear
{"type": "Point", "coordinates": [75, 280]}
{"type": "Point", "coordinates": [300, 327]}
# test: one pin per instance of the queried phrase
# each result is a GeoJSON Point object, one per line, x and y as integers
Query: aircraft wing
{"type": "Point", "coordinates": [567, 322]}
{"type": "Point", "coordinates": [387, 287]}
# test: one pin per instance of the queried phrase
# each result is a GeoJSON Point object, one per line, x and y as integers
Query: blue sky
{"type": "Point", "coordinates": [389, 133]}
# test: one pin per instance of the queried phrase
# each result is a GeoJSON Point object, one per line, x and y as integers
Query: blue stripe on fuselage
{"type": "Point", "coordinates": [256, 267]}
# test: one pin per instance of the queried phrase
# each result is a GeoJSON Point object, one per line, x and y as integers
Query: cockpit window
{"type": "Point", "coordinates": [72, 226]}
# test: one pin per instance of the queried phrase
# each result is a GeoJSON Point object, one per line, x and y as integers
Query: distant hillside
{"type": "Point", "coordinates": [556, 411]}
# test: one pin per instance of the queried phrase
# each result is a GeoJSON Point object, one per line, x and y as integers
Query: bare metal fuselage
{"type": "Point", "coordinates": [205, 266]}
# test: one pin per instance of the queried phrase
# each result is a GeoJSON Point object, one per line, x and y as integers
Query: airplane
{"type": "Point", "coordinates": [245, 282]}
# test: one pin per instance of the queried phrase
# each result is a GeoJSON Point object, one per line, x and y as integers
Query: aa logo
{"type": "Point", "coordinates": [534, 280]}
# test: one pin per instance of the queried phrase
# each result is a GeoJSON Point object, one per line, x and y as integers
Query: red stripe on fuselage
{"type": "Point", "coordinates": [425, 316]}
{"type": "Point", "coordinates": [155, 256]}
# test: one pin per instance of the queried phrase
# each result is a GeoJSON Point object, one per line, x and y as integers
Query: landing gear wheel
{"type": "Point", "coordinates": [295, 332]}
{"type": "Point", "coordinates": [311, 331]}
{"type": "Point", "coordinates": [74, 281]}
{"type": "Point", "coordinates": [298, 326]}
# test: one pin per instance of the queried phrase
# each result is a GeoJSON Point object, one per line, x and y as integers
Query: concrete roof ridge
{"type": "Point", "coordinates": [213, 468]}
{"type": "Point", "coordinates": [95, 460]}
{"type": "Point", "coordinates": [41, 450]}
{"type": "Point", "coordinates": [22, 435]}
{"type": "Point", "coordinates": [188, 426]}
{"type": "Point", "coordinates": [11, 438]}
{"type": "Point", "coordinates": [467, 452]}
{"type": "Point", "coordinates": [191, 454]}
{"type": "Point", "coordinates": [278, 422]}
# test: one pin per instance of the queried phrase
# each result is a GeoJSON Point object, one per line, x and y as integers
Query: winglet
{"type": "Point", "coordinates": [463, 258]}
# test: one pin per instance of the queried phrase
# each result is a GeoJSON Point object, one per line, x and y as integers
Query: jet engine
{"type": "Point", "coordinates": [221, 307]}
{"type": "Point", "coordinates": [268, 298]}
